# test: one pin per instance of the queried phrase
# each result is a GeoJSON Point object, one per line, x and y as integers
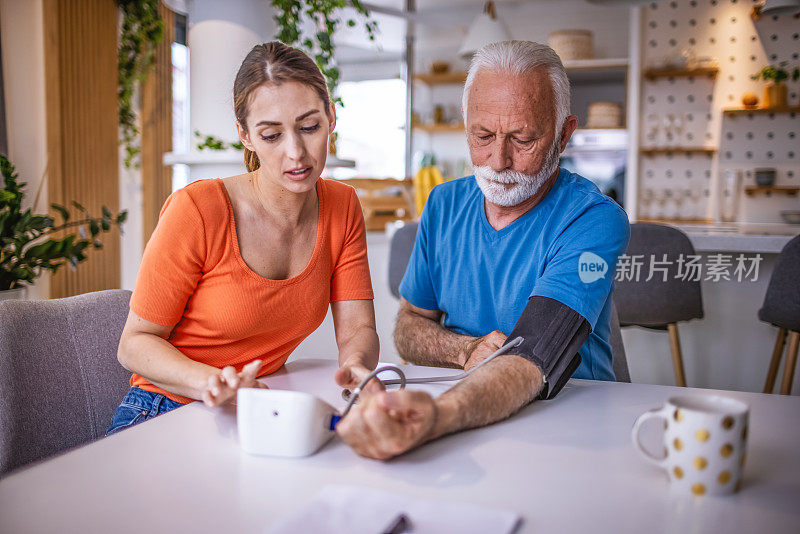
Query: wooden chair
{"type": "Point", "coordinates": [782, 309]}
{"type": "Point", "coordinates": [660, 304]}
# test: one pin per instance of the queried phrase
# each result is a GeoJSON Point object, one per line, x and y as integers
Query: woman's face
{"type": "Point", "coordinates": [288, 128]}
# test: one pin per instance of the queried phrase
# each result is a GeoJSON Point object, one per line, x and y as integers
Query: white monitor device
{"type": "Point", "coordinates": [282, 423]}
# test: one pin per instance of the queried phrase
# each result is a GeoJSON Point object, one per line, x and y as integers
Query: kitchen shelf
{"type": "Point", "coordinates": [596, 70]}
{"type": "Point", "coordinates": [578, 70]}
{"type": "Point", "coordinates": [678, 150]}
{"type": "Point", "coordinates": [673, 72]}
{"type": "Point", "coordinates": [440, 128]}
{"type": "Point", "coordinates": [778, 190]}
{"type": "Point", "coordinates": [747, 111]}
{"type": "Point", "coordinates": [441, 79]}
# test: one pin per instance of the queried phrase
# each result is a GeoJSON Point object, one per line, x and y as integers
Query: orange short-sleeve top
{"type": "Point", "coordinates": [193, 278]}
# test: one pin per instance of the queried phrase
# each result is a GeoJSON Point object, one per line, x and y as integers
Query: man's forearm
{"type": "Point", "coordinates": [423, 341]}
{"type": "Point", "coordinates": [492, 393]}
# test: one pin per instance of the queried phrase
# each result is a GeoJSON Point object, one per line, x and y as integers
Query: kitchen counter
{"type": "Point", "coordinates": [740, 237]}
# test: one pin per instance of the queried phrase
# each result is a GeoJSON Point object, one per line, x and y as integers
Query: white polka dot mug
{"type": "Point", "coordinates": [705, 441]}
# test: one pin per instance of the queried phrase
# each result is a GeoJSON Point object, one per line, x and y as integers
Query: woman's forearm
{"type": "Point", "coordinates": [158, 361]}
{"type": "Point", "coordinates": [361, 347]}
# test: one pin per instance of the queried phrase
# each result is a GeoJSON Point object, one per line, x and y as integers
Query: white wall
{"type": "Point", "coordinates": [22, 33]}
{"type": "Point", "coordinates": [322, 343]}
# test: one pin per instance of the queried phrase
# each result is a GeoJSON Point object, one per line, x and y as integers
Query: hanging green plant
{"type": "Point", "coordinates": [214, 143]}
{"type": "Point", "coordinates": [325, 16]}
{"type": "Point", "coordinates": [141, 32]}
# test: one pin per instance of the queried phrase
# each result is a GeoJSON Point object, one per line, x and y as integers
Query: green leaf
{"type": "Point", "coordinates": [79, 206]}
{"type": "Point", "coordinates": [94, 228]}
{"type": "Point", "coordinates": [122, 216]}
{"type": "Point", "coordinates": [61, 210]}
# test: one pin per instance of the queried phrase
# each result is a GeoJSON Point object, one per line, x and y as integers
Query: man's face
{"type": "Point", "coordinates": [511, 133]}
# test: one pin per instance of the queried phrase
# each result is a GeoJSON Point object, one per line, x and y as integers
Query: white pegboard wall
{"type": "Point", "coordinates": [722, 30]}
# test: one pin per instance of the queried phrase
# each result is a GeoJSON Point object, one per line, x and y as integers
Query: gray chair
{"type": "Point", "coordinates": [400, 248]}
{"type": "Point", "coordinates": [60, 381]}
{"type": "Point", "coordinates": [782, 309]}
{"type": "Point", "coordinates": [657, 303]}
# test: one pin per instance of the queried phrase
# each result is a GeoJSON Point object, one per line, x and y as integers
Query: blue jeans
{"type": "Point", "coordinates": [137, 406]}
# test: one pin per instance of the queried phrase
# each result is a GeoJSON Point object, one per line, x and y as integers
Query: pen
{"type": "Point", "coordinates": [399, 524]}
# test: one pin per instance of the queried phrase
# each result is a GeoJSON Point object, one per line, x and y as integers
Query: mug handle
{"type": "Point", "coordinates": [658, 412]}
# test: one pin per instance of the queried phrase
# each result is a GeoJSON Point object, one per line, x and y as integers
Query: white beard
{"type": "Point", "coordinates": [525, 185]}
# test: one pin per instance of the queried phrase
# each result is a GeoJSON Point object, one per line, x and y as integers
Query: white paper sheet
{"type": "Point", "coordinates": [343, 509]}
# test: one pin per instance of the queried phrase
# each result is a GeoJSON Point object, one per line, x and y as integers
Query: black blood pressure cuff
{"type": "Point", "coordinates": [552, 333]}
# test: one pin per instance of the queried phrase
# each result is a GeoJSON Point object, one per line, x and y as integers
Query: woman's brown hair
{"type": "Point", "coordinates": [273, 63]}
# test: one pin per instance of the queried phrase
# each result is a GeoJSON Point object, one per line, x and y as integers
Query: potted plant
{"type": "Point", "coordinates": [775, 92]}
{"type": "Point", "coordinates": [31, 244]}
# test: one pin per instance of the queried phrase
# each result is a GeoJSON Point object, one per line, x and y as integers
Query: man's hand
{"type": "Point", "coordinates": [350, 375]}
{"type": "Point", "coordinates": [222, 386]}
{"type": "Point", "coordinates": [483, 347]}
{"type": "Point", "coordinates": [383, 425]}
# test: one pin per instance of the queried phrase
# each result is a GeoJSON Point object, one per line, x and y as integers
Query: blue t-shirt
{"type": "Point", "coordinates": [565, 248]}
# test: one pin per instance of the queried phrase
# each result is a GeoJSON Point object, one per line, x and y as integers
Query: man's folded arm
{"type": "Point", "coordinates": [420, 338]}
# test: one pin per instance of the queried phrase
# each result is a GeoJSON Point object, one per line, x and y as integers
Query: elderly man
{"type": "Point", "coordinates": [521, 248]}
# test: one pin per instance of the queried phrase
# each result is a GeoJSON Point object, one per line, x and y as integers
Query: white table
{"type": "Point", "coordinates": [566, 466]}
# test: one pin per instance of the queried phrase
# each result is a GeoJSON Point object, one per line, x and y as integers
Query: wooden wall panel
{"type": "Point", "coordinates": [157, 128]}
{"type": "Point", "coordinates": [82, 127]}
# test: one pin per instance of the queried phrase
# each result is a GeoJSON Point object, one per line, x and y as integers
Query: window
{"type": "Point", "coordinates": [370, 127]}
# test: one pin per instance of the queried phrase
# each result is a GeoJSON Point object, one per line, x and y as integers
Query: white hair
{"type": "Point", "coordinates": [519, 57]}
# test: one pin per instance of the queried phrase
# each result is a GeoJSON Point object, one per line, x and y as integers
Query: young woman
{"type": "Point", "coordinates": [240, 270]}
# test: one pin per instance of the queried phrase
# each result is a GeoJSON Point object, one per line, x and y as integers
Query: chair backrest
{"type": "Point", "coordinates": [60, 380]}
{"type": "Point", "coordinates": [399, 255]}
{"type": "Point", "coordinates": [782, 300]}
{"type": "Point", "coordinates": [619, 361]}
{"type": "Point", "coordinates": [657, 302]}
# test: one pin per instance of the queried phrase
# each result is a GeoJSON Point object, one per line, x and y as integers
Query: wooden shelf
{"type": "Point", "coordinates": [440, 128]}
{"type": "Point", "coordinates": [673, 72]}
{"type": "Point", "coordinates": [441, 79]}
{"type": "Point", "coordinates": [597, 70]}
{"type": "Point", "coordinates": [747, 111]}
{"type": "Point", "coordinates": [578, 70]}
{"type": "Point", "coordinates": [678, 150]}
{"type": "Point", "coordinates": [596, 64]}
{"type": "Point", "coordinates": [770, 190]}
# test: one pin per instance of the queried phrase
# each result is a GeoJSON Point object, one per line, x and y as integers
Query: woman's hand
{"type": "Point", "coordinates": [222, 386]}
{"type": "Point", "coordinates": [350, 375]}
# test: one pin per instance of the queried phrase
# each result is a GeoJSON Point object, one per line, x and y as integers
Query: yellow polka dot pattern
{"type": "Point", "coordinates": [700, 462]}
{"type": "Point", "coordinates": [678, 415]}
{"type": "Point", "coordinates": [678, 472]}
{"type": "Point", "coordinates": [678, 444]}
{"type": "Point", "coordinates": [741, 461]}
{"type": "Point", "coordinates": [702, 435]}
{"type": "Point", "coordinates": [724, 477]}
{"type": "Point", "coordinates": [727, 423]}
{"type": "Point", "coordinates": [726, 450]}
{"type": "Point", "coordinates": [698, 489]}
